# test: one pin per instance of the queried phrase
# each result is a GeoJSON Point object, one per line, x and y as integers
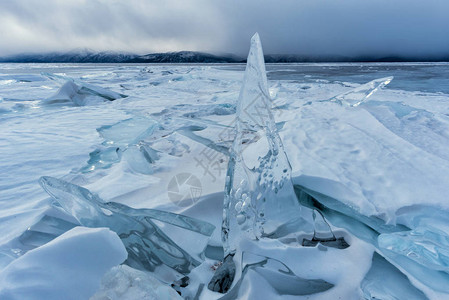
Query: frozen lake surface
{"type": "Point", "coordinates": [386, 159]}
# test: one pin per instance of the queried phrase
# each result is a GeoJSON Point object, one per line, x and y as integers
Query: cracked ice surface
{"type": "Point", "coordinates": [378, 172]}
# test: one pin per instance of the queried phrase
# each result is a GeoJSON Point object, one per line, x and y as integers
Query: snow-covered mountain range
{"type": "Point", "coordinates": [90, 56]}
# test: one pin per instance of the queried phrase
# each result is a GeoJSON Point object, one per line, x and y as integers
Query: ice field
{"type": "Point", "coordinates": [144, 150]}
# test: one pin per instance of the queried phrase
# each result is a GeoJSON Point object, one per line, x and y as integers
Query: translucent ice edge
{"type": "Point", "coordinates": [382, 236]}
{"type": "Point", "coordinates": [147, 245]}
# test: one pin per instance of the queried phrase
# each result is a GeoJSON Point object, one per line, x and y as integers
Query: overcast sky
{"type": "Point", "coordinates": [306, 27]}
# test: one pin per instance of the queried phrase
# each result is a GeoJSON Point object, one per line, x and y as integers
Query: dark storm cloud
{"type": "Point", "coordinates": [308, 27]}
{"type": "Point", "coordinates": [345, 27]}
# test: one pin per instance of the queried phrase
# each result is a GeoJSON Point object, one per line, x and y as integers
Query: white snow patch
{"type": "Point", "coordinates": [69, 267]}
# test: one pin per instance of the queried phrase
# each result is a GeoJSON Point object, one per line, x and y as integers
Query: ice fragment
{"type": "Point", "coordinates": [360, 94]}
{"type": "Point", "coordinates": [148, 246]}
{"type": "Point", "coordinates": [259, 194]}
{"type": "Point", "coordinates": [280, 277]}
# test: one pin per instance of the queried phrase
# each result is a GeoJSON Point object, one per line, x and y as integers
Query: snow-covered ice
{"type": "Point", "coordinates": [377, 172]}
{"type": "Point", "coordinates": [70, 266]}
{"type": "Point", "coordinates": [125, 283]}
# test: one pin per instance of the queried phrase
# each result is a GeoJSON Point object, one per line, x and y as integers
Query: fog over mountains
{"type": "Point", "coordinates": [90, 56]}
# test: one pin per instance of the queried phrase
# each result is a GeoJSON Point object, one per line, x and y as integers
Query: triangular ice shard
{"type": "Point", "coordinates": [259, 194]}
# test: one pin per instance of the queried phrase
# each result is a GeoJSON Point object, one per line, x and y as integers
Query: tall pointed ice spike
{"type": "Point", "coordinates": [258, 194]}
{"type": "Point", "coordinates": [254, 104]}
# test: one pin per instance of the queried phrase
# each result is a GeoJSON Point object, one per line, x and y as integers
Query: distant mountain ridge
{"type": "Point", "coordinates": [76, 56]}
{"type": "Point", "coordinates": [185, 57]}
{"type": "Point", "coordinates": [89, 56]}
